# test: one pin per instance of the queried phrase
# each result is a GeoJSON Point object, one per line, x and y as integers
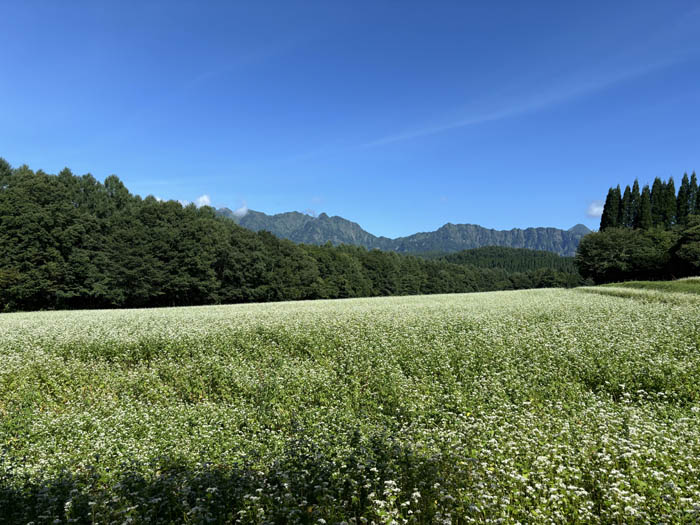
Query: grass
{"type": "Point", "coordinates": [534, 406]}
{"type": "Point", "coordinates": [687, 285]}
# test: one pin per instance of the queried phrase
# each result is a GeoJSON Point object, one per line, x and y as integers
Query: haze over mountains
{"type": "Point", "coordinates": [307, 229]}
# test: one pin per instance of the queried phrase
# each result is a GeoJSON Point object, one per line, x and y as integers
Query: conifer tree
{"type": "Point", "coordinates": [5, 169]}
{"type": "Point", "coordinates": [682, 201]}
{"type": "Point", "coordinates": [658, 191]}
{"type": "Point", "coordinates": [618, 197]}
{"type": "Point", "coordinates": [605, 216]}
{"type": "Point", "coordinates": [669, 203]}
{"type": "Point", "coordinates": [611, 209]}
{"type": "Point", "coordinates": [644, 221]}
{"type": "Point", "coordinates": [636, 196]}
{"type": "Point", "coordinates": [625, 217]}
{"type": "Point", "coordinates": [693, 197]}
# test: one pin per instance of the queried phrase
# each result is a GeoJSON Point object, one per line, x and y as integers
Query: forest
{"type": "Point", "coordinates": [72, 242]}
{"type": "Point", "coordinates": [652, 234]}
{"type": "Point", "coordinates": [511, 259]}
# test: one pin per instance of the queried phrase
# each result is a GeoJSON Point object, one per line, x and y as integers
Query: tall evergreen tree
{"type": "Point", "coordinates": [644, 220]}
{"type": "Point", "coordinates": [669, 204]}
{"type": "Point", "coordinates": [5, 172]}
{"type": "Point", "coordinates": [625, 215]}
{"type": "Point", "coordinates": [693, 197]}
{"type": "Point", "coordinates": [605, 216]}
{"type": "Point", "coordinates": [658, 192]}
{"type": "Point", "coordinates": [618, 203]}
{"type": "Point", "coordinates": [636, 196]}
{"type": "Point", "coordinates": [683, 200]}
{"type": "Point", "coordinates": [611, 209]}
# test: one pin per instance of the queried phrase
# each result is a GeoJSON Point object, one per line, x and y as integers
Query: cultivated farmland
{"type": "Point", "coordinates": [532, 406]}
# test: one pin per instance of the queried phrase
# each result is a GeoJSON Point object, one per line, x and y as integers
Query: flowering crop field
{"type": "Point", "coordinates": [543, 406]}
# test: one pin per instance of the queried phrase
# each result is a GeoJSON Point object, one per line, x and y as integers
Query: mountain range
{"type": "Point", "coordinates": [309, 229]}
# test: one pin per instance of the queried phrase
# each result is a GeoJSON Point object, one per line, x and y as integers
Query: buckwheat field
{"type": "Point", "coordinates": [546, 406]}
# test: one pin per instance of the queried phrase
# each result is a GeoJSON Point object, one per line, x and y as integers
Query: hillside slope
{"type": "Point", "coordinates": [303, 228]}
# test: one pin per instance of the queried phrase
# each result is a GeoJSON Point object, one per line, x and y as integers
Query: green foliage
{"type": "Point", "coordinates": [619, 254]}
{"type": "Point", "coordinates": [669, 204]}
{"type": "Point", "coordinates": [630, 207]}
{"type": "Point", "coordinates": [612, 210]}
{"type": "Point", "coordinates": [644, 219]}
{"type": "Point", "coordinates": [521, 267]}
{"type": "Point", "coordinates": [686, 252]}
{"type": "Point", "coordinates": [626, 213]}
{"type": "Point", "coordinates": [72, 242]}
{"type": "Point", "coordinates": [686, 285]}
{"type": "Point", "coordinates": [683, 200]}
{"type": "Point", "coordinates": [657, 201]}
{"type": "Point", "coordinates": [635, 205]}
{"type": "Point", "coordinates": [665, 209]}
{"type": "Point", "coordinates": [511, 259]}
{"type": "Point", "coordinates": [667, 245]}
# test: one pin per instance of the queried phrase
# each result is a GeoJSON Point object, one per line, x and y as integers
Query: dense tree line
{"type": "Point", "coordinates": [511, 259]}
{"type": "Point", "coordinates": [658, 207]}
{"type": "Point", "coordinates": [648, 235]}
{"type": "Point", "coordinates": [72, 242]}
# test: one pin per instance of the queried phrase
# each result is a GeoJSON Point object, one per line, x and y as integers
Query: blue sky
{"type": "Point", "coordinates": [401, 116]}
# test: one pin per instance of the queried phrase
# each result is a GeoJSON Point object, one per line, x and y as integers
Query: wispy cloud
{"type": "Point", "coordinates": [531, 104]}
{"type": "Point", "coordinates": [672, 44]}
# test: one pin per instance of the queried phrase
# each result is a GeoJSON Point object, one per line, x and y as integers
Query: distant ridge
{"type": "Point", "coordinates": [307, 229]}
